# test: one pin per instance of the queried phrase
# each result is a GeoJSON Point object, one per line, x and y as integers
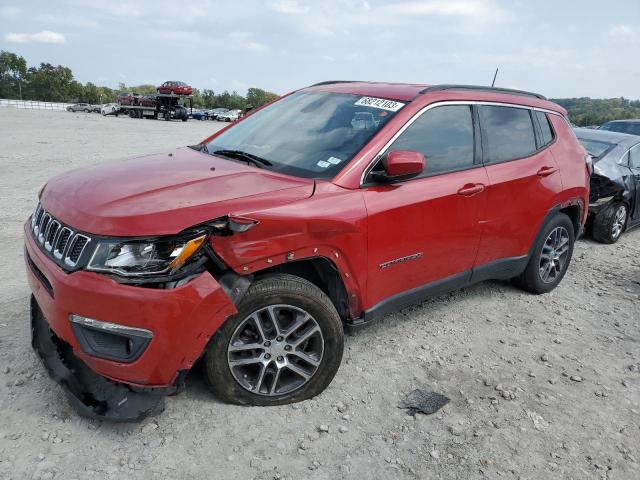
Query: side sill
{"type": "Point", "coordinates": [502, 269]}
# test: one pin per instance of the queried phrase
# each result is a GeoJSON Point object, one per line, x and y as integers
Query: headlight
{"type": "Point", "coordinates": [144, 257]}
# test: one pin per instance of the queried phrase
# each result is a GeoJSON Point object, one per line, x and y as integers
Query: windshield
{"type": "Point", "coordinates": [595, 148]}
{"type": "Point", "coordinates": [309, 134]}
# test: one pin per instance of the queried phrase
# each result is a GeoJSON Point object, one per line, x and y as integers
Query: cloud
{"type": "Point", "coordinates": [289, 7]}
{"type": "Point", "coordinates": [621, 31]}
{"type": "Point", "coordinates": [45, 36]}
{"type": "Point", "coordinates": [68, 20]}
{"type": "Point", "coordinates": [9, 12]}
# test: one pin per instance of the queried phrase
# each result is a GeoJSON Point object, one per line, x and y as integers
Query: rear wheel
{"type": "Point", "coordinates": [609, 223]}
{"type": "Point", "coordinates": [550, 257]}
{"type": "Point", "coordinates": [284, 345]}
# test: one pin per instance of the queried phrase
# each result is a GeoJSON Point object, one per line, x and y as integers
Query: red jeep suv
{"type": "Point", "coordinates": [332, 206]}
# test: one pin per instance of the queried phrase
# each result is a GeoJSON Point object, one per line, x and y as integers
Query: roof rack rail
{"type": "Point", "coordinates": [331, 82]}
{"type": "Point", "coordinates": [437, 88]}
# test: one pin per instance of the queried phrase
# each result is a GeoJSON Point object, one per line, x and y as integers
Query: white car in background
{"type": "Point", "coordinates": [230, 116]}
{"type": "Point", "coordinates": [109, 108]}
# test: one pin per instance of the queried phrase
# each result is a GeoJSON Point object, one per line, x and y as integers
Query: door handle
{"type": "Point", "coordinates": [546, 171]}
{"type": "Point", "coordinates": [471, 189]}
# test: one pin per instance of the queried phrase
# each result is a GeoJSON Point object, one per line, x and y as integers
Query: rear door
{"type": "Point", "coordinates": [524, 179]}
{"type": "Point", "coordinates": [634, 165]}
{"type": "Point", "coordinates": [427, 229]}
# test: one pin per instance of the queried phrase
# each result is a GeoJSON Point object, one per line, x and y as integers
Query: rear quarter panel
{"type": "Point", "coordinates": [570, 156]}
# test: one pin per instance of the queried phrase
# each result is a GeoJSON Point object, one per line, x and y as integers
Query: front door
{"type": "Point", "coordinates": [427, 229]}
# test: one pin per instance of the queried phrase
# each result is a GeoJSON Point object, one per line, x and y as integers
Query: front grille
{"type": "Point", "coordinates": [58, 241]}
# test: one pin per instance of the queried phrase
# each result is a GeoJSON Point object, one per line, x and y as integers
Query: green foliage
{"type": "Point", "coordinates": [595, 111]}
{"type": "Point", "coordinates": [257, 97]}
{"type": "Point", "coordinates": [13, 70]}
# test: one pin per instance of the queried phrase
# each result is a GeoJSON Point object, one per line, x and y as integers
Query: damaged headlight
{"type": "Point", "coordinates": [145, 257]}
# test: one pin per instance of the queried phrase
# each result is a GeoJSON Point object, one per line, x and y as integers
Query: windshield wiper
{"type": "Point", "coordinates": [248, 157]}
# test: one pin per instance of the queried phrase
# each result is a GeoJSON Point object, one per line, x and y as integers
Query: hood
{"type": "Point", "coordinates": [164, 194]}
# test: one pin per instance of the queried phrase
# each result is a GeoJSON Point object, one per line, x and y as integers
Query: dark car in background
{"type": "Point", "coordinates": [631, 127]}
{"type": "Point", "coordinates": [173, 87]}
{"type": "Point", "coordinates": [79, 107]}
{"type": "Point", "coordinates": [615, 183]}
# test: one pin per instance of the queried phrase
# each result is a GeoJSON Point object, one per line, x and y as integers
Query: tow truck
{"type": "Point", "coordinates": [168, 106]}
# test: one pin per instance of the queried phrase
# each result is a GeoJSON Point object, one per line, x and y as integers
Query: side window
{"type": "Point", "coordinates": [634, 157]}
{"type": "Point", "coordinates": [444, 135]}
{"type": "Point", "coordinates": [507, 133]}
{"type": "Point", "coordinates": [545, 128]}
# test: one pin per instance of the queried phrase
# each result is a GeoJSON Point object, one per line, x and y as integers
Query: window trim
{"type": "Point", "coordinates": [426, 108]}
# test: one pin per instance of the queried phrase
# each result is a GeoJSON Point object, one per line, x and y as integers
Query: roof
{"type": "Point", "coordinates": [409, 91]}
{"type": "Point", "coordinates": [395, 91]}
{"type": "Point", "coordinates": [623, 139]}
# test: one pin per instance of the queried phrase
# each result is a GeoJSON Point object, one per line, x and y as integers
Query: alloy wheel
{"type": "Point", "coordinates": [618, 221]}
{"type": "Point", "coordinates": [275, 350]}
{"type": "Point", "coordinates": [553, 257]}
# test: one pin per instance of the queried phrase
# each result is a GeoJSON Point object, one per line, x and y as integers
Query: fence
{"type": "Point", "coordinates": [33, 104]}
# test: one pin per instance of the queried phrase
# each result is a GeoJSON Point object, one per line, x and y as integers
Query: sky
{"type": "Point", "coordinates": [566, 48]}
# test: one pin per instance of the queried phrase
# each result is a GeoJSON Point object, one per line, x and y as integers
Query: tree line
{"type": "Point", "coordinates": [50, 83]}
{"type": "Point", "coordinates": [586, 111]}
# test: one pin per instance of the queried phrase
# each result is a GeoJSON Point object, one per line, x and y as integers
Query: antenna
{"type": "Point", "coordinates": [495, 75]}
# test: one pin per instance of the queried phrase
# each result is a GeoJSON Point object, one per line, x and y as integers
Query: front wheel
{"type": "Point", "coordinates": [609, 223]}
{"type": "Point", "coordinates": [284, 345]}
{"type": "Point", "coordinates": [550, 256]}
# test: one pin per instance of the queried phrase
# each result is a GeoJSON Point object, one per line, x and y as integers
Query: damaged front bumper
{"type": "Point", "coordinates": [105, 370]}
{"type": "Point", "coordinates": [90, 394]}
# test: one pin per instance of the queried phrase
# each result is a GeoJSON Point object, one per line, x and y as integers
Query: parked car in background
{"type": "Point", "coordinates": [79, 107]}
{"type": "Point", "coordinates": [249, 251]}
{"type": "Point", "coordinates": [214, 113]}
{"type": "Point", "coordinates": [200, 115]}
{"type": "Point", "coordinates": [109, 108]}
{"type": "Point", "coordinates": [631, 127]}
{"type": "Point", "coordinates": [229, 116]}
{"type": "Point", "coordinates": [614, 199]}
{"type": "Point", "coordinates": [129, 98]}
{"type": "Point", "coordinates": [173, 87]}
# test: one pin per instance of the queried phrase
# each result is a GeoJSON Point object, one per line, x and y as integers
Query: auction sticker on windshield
{"type": "Point", "coordinates": [381, 103]}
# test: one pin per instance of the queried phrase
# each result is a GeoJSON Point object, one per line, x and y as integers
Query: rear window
{"type": "Point", "coordinates": [507, 133]}
{"type": "Point", "coordinates": [595, 148]}
{"type": "Point", "coordinates": [545, 128]}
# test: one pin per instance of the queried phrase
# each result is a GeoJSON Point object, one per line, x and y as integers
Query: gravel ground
{"type": "Point", "coordinates": [540, 386]}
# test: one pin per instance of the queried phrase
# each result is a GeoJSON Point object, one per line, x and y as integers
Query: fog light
{"type": "Point", "coordinates": [110, 340]}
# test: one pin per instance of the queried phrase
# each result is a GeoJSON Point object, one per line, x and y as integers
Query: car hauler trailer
{"type": "Point", "coordinates": [167, 106]}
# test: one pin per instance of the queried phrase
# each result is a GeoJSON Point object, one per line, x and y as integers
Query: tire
{"type": "Point", "coordinates": [609, 223]}
{"type": "Point", "coordinates": [291, 297]}
{"type": "Point", "coordinates": [533, 278]}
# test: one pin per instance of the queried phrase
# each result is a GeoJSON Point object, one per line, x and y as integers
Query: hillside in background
{"type": "Point", "coordinates": [596, 111]}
